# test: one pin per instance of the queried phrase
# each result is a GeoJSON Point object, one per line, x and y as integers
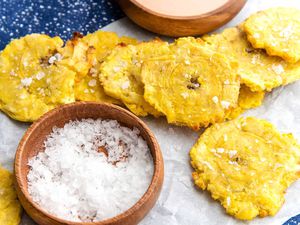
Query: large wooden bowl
{"type": "Point", "coordinates": [178, 26]}
{"type": "Point", "coordinates": [32, 143]}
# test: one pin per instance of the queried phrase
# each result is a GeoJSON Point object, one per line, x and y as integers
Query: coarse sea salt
{"type": "Point", "coordinates": [90, 170]}
{"type": "Point", "coordinates": [26, 81]}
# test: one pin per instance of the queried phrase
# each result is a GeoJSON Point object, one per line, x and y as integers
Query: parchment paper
{"type": "Point", "coordinates": [180, 202]}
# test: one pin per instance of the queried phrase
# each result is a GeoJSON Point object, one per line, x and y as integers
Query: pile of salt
{"type": "Point", "coordinates": [74, 179]}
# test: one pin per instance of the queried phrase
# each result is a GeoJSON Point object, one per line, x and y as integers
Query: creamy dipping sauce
{"type": "Point", "coordinates": [182, 7]}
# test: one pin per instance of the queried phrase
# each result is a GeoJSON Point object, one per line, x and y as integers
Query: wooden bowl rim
{"type": "Point", "coordinates": [158, 165]}
{"type": "Point", "coordinates": [220, 9]}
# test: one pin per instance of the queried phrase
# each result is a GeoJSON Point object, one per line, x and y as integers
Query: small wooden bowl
{"type": "Point", "coordinates": [32, 143]}
{"type": "Point", "coordinates": [178, 26]}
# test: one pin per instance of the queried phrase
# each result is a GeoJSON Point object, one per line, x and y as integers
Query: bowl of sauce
{"type": "Point", "coordinates": [178, 18]}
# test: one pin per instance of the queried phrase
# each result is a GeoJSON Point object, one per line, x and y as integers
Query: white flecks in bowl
{"type": "Point", "coordinates": [91, 170]}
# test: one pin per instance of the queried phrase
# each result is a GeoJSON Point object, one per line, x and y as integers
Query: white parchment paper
{"type": "Point", "coordinates": [180, 202]}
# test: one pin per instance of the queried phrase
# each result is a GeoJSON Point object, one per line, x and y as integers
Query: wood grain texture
{"type": "Point", "coordinates": [178, 26]}
{"type": "Point", "coordinates": [32, 143]}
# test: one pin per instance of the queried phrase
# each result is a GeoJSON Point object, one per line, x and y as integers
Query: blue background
{"type": "Point", "coordinates": [62, 18]}
{"type": "Point", "coordinates": [54, 17]}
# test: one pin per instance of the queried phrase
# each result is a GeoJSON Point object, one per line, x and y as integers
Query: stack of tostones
{"type": "Point", "coordinates": [121, 74]}
{"type": "Point", "coordinates": [10, 208]}
{"type": "Point", "coordinates": [256, 45]}
{"type": "Point", "coordinates": [85, 54]}
{"type": "Point", "coordinates": [32, 80]}
{"type": "Point", "coordinates": [258, 71]}
{"type": "Point", "coordinates": [187, 81]}
{"type": "Point", "coordinates": [193, 82]}
{"type": "Point", "coordinates": [277, 30]}
{"type": "Point", "coordinates": [247, 165]}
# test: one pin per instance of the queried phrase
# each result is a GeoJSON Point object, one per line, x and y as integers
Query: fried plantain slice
{"type": "Point", "coordinates": [10, 208]}
{"type": "Point", "coordinates": [247, 100]}
{"type": "Point", "coordinates": [85, 54]}
{"type": "Point", "coordinates": [195, 88]}
{"type": "Point", "coordinates": [32, 81]}
{"type": "Point", "coordinates": [120, 74]}
{"type": "Point", "coordinates": [257, 70]}
{"type": "Point", "coordinates": [277, 30]}
{"type": "Point", "coordinates": [247, 165]}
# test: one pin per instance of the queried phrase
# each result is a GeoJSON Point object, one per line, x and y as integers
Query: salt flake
{"type": "Point", "coordinates": [184, 95]}
{"type": "Point", "coordinates": [215, 99]}
{"type": "Point", "coordinates": [225, 104]}
{"type": "Point", "coordinates": [40, 75]}
{"type": "Point", "coordinates": [278, 69]}
{"type": "Point", "coordinates": [232, 153]}
{"type": "Point", "coordinates": [26, 82]}
{"type": "Point", "coordinates": [125, 85]}
{"type": "Point", "coordinates": [92, 83]}
{"type": "Point", "coordinates": [220, 150]}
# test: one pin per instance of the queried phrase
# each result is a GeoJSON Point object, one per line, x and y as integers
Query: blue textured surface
{"type": "Point", "coordinates": [54, 17]}
{"type": "Point", "coordinates": [62, 18]}
{"type": "Point", "coordinates": [293, 221]}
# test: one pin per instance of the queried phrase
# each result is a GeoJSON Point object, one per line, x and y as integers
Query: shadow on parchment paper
{"type": "Point", "coordinates": [26, 220]}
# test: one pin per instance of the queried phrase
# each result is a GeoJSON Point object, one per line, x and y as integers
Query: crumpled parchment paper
{"type": "Point", "coordinates": [180, 202]}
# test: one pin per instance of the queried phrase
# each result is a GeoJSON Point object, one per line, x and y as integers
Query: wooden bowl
{"type": "Point", "coordinates": [178, 26]}
{"type": "Point", "coordinates": [32, 143]}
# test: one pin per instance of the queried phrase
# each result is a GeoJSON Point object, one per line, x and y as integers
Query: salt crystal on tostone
{"type": "Point", "coordinates": [76, 180]}
{"type": "Point", "coordinates": [92, 83]}
{"type": "Point", "coordinates": [215, 99]}
{"type": "Point", "coordinates": [26, 81]}
{"type": "Point", "coordinates": [40, 75]}
{"type": "Point", "coordinates": [125, 85]}
{"type": "Point", "coordinates": [225, 104]}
